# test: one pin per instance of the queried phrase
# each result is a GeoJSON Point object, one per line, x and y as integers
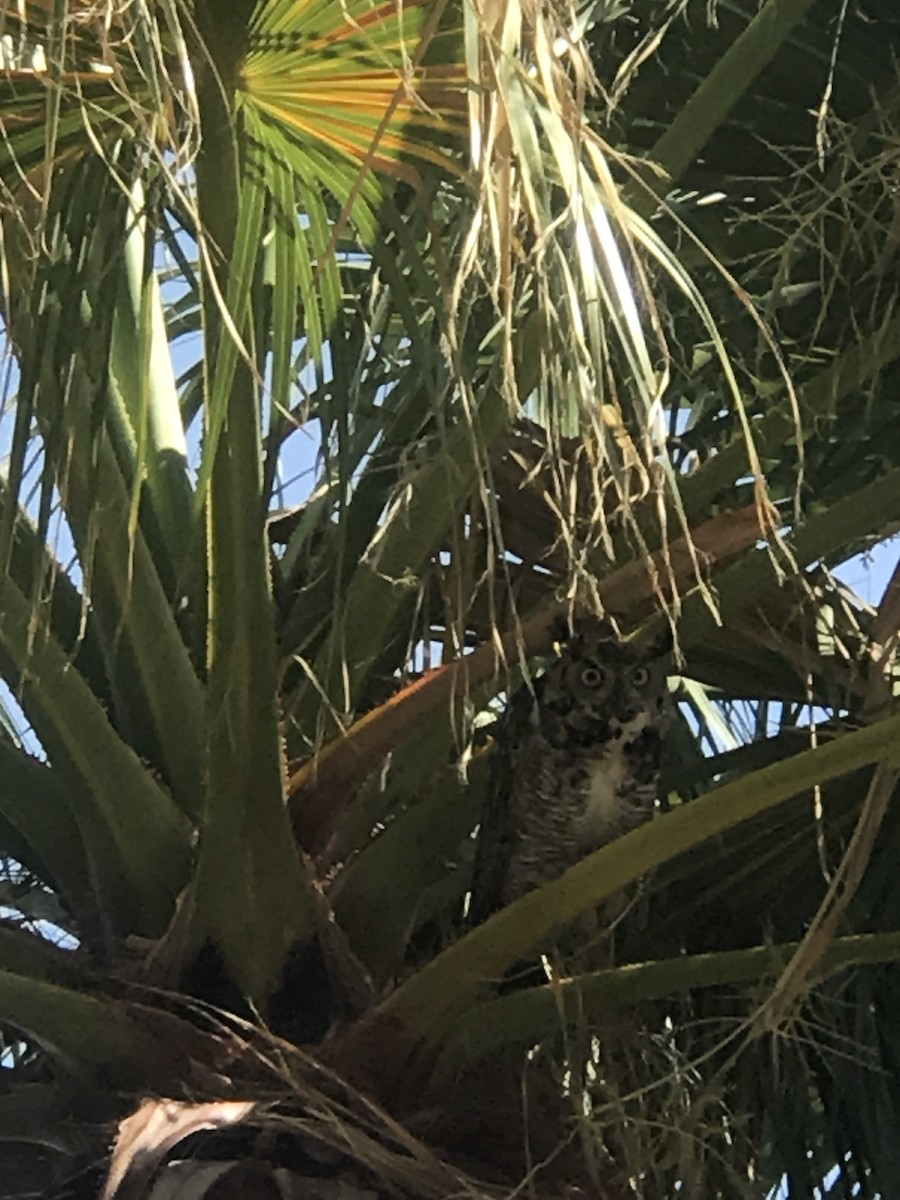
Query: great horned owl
{"type": "Point", "coordinates": [576, 763]}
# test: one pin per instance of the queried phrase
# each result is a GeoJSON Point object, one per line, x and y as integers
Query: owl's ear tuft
{"type": "Point", "coordinates": [561, 629]}
{"type": "Point", "coordinates": [663, 643]}
{"type": "Point", "coordinates": [593, 626]}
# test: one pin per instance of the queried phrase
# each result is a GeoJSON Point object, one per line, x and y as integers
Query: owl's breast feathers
{"type": "Point", "coordinates": [613, 802]}
{"type": "Point", "coordinates": [571, 772]}
{"type": "Point", "coordinates": [596, 779]}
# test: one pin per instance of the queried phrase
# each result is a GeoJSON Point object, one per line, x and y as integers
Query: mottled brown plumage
{"type": "Point", "coordinates": [576, 763]}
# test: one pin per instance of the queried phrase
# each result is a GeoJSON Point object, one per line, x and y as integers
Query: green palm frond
{"type": "Point", "coordinates": [345, 341]}
{"type": "Point", "coordinates": [377, 85]}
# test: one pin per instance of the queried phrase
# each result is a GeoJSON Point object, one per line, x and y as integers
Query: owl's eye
{"type": "Point", "coordinates": [640, 677]}
{"type": "Point", "coordinates": [592, 677]}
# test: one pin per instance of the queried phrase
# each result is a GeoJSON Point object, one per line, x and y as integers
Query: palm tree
{"type": "Point", "coordinates": [349, 346]}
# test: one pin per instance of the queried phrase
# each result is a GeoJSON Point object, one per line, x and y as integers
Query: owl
{"type": "Point", "coordinates": [576, 763]}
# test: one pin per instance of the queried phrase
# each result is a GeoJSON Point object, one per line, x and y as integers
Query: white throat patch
{"type": "Point", "coordinates": [602, 801]}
